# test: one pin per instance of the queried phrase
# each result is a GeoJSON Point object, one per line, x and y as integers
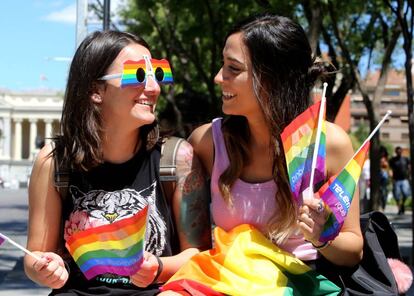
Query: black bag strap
{"type": "Point", "coordinates": [168, 160]}
{"type": "Point", "coordinates": [62, 172]}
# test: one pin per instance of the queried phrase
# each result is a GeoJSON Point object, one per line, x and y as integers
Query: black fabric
{"type": "Point", "coordinates": [373, 276]}
{"type": "Point", "coordinates": [399, 166]}
{"type": "Point", "coordinates": [109, 193]}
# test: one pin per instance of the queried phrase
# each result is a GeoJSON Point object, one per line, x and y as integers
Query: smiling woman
{"type": "Point", "coordinates": [267, 74]}
{"type": "Point", "coordinates": [110, 145]}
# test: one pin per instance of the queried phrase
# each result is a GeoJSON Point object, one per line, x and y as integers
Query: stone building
{"type": "Point", "coordinates": [27, 121]}
{"type": "Point", "coordinates": [395, 130]}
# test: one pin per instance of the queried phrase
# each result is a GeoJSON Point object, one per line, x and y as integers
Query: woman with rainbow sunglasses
{"type": "Point", "coordinates": [110, 146]}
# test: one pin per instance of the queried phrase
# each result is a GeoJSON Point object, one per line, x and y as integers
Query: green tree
{"type": "Point", "coordinates": [190, 34]}
{"type": "Point", "coordinates": [404, 12]}
{"type": "Point", "coordinates": [364, 29]}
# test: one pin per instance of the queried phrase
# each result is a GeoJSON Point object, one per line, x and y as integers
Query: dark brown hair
{"type": "Point", "coordinates": [81, 124]}
{"type": "Point", "coordinates": [284, 73]}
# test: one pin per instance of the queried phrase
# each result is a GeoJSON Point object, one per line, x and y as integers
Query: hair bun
{"type": "Point", "coordinates": [319, 70]}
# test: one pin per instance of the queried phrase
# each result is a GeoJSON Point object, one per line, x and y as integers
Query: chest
{"type": "Point", "coordinates": [259, 169]}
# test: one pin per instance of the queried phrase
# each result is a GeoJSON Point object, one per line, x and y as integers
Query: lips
{"type": "Point", "coordinates": [145, 102]}
{"type": "Point", "coordinates": [227, 95]}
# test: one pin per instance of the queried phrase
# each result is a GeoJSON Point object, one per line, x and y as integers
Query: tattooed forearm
{"type": "Point", "coordinates": [194, 216]}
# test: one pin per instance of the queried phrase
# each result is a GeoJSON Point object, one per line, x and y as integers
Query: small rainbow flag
{"type": "Point", "coordinates": [244, 262]}
{"type": "Point", "coordinates": [338, 191]}
{"type": "Point", "coordinates": [114, 248]}
{"type": "Point", "coordinates": [298, 140]}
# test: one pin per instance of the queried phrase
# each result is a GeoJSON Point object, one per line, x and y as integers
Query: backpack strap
{"type": "Point", "coordinates": [61, 175]}
{"type": "Point", "coordinates": [168, 165]}
{"type": "Point", "coordinates": [168, 160]}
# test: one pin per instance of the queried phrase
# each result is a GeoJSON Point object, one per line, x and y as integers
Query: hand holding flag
{"type": "Point", "coordinates": [114, 248]}
{"type": "Point", "coordinates": [304, 143]}
{"type": "Point", "coordinates": [339, 191]}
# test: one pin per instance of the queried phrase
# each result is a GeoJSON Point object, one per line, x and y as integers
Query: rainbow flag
{"type": "Point", "coordinates": [244, 262]}
{"type": "Point", "coordinates": [298, 140]}
{"type": "Point", "coordinates": [338, 191]}
{"type": "Point", "coordinates": [113, 248]}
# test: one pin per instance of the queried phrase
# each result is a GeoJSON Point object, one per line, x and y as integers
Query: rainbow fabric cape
{"type": "Point", "coordinates": [298, 140]}
{"type": "Point", "coordinates": [338, 192]}
{"type": "Point", "coordinates": [244, 262]}
{"type": "Point", "coordinates": [114, 248]}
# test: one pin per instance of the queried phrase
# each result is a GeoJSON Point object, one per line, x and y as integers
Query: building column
{"type": "Point", "coordinates": [17, 139]}
{"type": "Point", "coordinates": [7, 138]}
{"type": "Point", "coordinates": [33, 135]}
{"type": "Point", "coordinates": [48, 130]}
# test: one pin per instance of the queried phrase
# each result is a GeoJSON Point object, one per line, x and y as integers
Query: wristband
{"type": "Point", "coordinates": [323, 246]}
{"type": "Point", "coordinates": [159, 270]}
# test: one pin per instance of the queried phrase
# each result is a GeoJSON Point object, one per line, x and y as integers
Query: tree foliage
{"type": "Point", "coordinates": [190, 34]}
{"type": "Point", "coordinates": [354, 36]}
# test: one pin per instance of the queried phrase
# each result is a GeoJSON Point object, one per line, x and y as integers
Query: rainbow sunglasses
{"type": "Point", "coordinates": [136, 73]}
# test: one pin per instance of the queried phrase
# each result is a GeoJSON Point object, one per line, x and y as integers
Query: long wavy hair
{"type": "Point", "coordinates": [284, 72]}
{"type": "Point", "coordinates": [81, 123]}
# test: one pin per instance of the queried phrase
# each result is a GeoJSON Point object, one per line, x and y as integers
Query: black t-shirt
{"type": "Point", "coordinates": [109, 193]}
{"type": "Point", "coordinates": [399, 166]}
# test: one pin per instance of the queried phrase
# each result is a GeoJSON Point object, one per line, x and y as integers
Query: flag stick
{"type": "Point", "coordinates": [321, 117]}
{"type": "Point", "coordinates": [371, 134]}
{"type": "Point", "coordinates": [19, 246]}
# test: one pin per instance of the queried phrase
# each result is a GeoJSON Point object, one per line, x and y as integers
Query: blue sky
{"type": "Point", "coordinates": [31, 32]}
{"type": "Point", "coordinates": [35, 35]}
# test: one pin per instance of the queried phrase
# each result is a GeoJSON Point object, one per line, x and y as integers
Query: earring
{"type": "Point", "coordinates": [96, 98]}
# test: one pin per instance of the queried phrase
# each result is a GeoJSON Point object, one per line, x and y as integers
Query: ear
{"type": "Point", "coordinates": [97, 93]}
{"type": "Point", "coordinates": [96, 98]}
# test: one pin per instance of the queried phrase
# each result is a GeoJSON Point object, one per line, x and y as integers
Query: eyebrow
{"type": "Point", "coordinates": [235, 60]}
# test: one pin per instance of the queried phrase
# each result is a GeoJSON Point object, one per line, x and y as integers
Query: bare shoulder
{"type": "Point", "coordinates": [202, 141]}
{"type": "Point", "coordinates": [201, 135]}
{"type": "Point", "coordinates": [338, 148]}
{"type": "Point", "coordinates": [44, 159]}
{"type": "Point", "coordinates": [337, 138]}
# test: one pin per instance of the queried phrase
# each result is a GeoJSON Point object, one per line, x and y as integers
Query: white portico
{"type": "Point", "coordinates": [27, 121]}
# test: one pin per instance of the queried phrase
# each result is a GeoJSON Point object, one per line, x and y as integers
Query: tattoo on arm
{"type": "Point", "coordinates": [194, 218]}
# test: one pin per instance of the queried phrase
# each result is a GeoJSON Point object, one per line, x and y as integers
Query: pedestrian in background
{"type": "Point", "coordinates": [400, 167]}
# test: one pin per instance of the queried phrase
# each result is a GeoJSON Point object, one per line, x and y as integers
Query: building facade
{"type": "Point", "coordinates": [27, 121]}
{"type": "Point", "coordinates": [395, 130]}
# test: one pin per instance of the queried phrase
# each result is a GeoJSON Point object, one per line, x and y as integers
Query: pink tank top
{"type": "Point", "coordinates": [253, 203]}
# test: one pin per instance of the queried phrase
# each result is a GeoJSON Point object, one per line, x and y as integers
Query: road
{"type": "Point", "coordinates": [13, 223]}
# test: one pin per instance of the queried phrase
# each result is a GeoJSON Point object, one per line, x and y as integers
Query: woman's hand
{"type": "Point", "coordinates": [312, 218]}
{"type": "Point", "coordinates": [50, 270]}
{"type": "Point", "coordinates": [147, 273]}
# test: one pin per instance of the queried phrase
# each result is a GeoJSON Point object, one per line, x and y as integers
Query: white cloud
{"type": "Point", "coordinates": [65, 15]}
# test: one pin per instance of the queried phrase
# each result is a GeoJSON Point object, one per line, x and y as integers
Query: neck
{"type": "Point", "coordinates": [120, 145]}
{"type": "Point", "coordinates": [259, 133]}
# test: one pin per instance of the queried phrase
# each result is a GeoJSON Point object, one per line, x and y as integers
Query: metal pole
{"type": "Point", "coordinates": [81, 21]}
{"type": "Point", "coordinates": [107, 15]}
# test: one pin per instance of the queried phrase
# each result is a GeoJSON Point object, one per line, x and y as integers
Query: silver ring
{"type": "Point", "coordinates": [320, 207]}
